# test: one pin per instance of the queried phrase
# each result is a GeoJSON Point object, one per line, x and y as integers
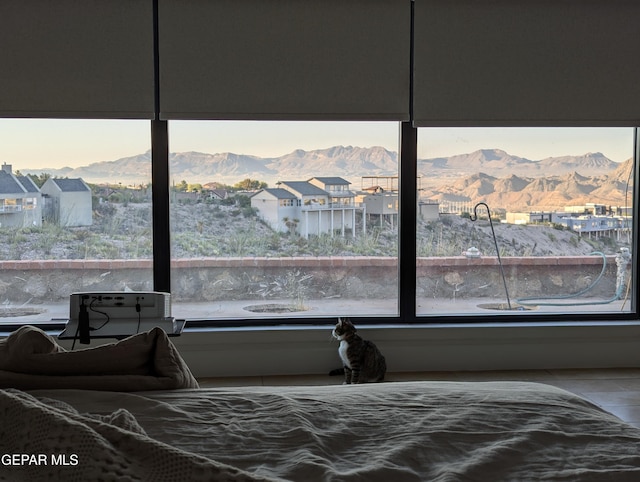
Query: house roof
{"type": "Point", "coordinates": [280, 193]}
{"type": "Point", "coordinates": [70, 185]}
{"type": "Point", "coordinates": [28, 184]}
{"type": "Point", "coordinates": [305, 188]}
{"type": "Point", "coordinates": [334, 181]}
{"type": "Point", "coordinates": [9, 184]}
{"type": "Point", "coordinates": [221, 193]}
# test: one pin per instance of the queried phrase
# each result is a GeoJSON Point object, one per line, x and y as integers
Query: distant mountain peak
{"type": "Point", "coordinates": [349, 162]}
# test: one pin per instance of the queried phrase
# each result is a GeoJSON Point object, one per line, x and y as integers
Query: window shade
{"type": "Point", "coordinates": [537, 62]}
{"type": "Point", "coordinates": [284, 59]}
{"type": "Point", "coordinates": [76, 58]}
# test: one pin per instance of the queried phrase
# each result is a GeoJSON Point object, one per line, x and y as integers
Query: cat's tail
{"type": "Point", "coordinates": [337, 371]}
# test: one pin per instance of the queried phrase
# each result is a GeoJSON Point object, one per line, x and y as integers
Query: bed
{"type": "Point", "coordinates": [394, 431]}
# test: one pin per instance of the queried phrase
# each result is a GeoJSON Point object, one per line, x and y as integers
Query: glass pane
{"type": "Point", "coordinates": [524, 220]}
{"type": "Point", "coordinates": [283, 219]}
{"type": "Point", "coordinates": [75, 213]}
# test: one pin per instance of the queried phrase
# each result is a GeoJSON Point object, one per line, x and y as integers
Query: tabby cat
{"type": "Point", "coordinates": [361, 358]}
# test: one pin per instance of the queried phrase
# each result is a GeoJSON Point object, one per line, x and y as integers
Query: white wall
{"type": "Point", "coordinates": [75, 209]}
{"type": "Point", "coordinates": [311, 350]}
{"type": "Point", "coordinates": [265, 351]}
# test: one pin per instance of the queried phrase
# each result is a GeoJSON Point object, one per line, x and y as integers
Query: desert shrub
{"type": "Point", "coordinates": [446, 220]}
{"type": "Point", "coordinates": [249, 212]}
{"type": "Point", "coordinates": [325, 245]}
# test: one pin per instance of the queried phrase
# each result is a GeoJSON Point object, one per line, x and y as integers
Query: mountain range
{"type": "Point", "coordinates": [491, 175]}
{"type": "Point", "coordinates": [515, 193]}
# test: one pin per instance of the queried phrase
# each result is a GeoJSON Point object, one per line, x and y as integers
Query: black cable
{"type": "Point", "coordinates": [139, 310]}
{"type": "Point", "coordinates": [83, 323]}
{"type": "Point", "coordinates": [99, 312]}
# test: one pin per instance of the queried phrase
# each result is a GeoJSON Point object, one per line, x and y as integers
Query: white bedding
{"type": "Point", "coordinates": [427, 431]}
{"type": "Point", "coordinates": [32, 359]}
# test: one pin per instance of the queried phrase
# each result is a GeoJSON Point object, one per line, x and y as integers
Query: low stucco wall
{"type": "Point", "coordinates": [220, 279]}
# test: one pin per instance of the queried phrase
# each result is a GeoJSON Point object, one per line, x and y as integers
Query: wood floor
{"type": "Point", "coordinates": [615, 390]}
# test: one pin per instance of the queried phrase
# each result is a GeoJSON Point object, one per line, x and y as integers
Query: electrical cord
{"type": "Point", "coordinates": [83, 322]}
{"type": "Point", "coordinates": [139, 311]}
{"type": "Point", "coordinates": [530, 300]}
{"type": "Point", "coordinates": [108, 318]}
{"type": "Point", "coordinates": [84, 328]}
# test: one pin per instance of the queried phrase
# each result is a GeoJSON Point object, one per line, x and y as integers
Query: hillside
{"type": "Point", "coordinates": [452, 235]}
{"type": "Point", "coordinates": [123, 231]}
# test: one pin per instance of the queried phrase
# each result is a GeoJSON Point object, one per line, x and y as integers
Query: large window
{"type": "Point", "coordinates": [303, 221]}
{"type": "Point", "coordinates": [75, 213]}
{"type": "Point", "coordinates": [283, 219]}
{"type": "Point", "coordinates": [524, 221]}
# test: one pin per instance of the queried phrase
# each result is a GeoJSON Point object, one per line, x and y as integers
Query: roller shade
{"type": "Point", "coordinates": [284, 59]}
{"type": "Point", "coordinates": [76, 58]}
{"type": "Point", "coordinates": [535, 62]}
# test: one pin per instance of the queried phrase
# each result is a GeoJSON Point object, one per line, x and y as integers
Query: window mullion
{"type": "Point", "coordinates": [407, 222]}
{"type": "Point", "coordinates": [160, 197]}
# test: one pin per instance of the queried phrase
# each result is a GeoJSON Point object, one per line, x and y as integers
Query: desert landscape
{"type": "Point", "coordinates": [209, 228]}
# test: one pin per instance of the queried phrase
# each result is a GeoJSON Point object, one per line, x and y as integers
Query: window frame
{"type": "Point", "coordinates": [408, 184]}
{"type": "Point", "coordinates": [407, 266]}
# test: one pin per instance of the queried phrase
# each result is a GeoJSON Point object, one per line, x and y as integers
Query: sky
{"type": "Point", "coordinates": [40, 143]}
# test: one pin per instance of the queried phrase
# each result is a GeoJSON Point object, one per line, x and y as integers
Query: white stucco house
{"type": "Point", "coordinates": [69, 202]}
{"type": "Point", "coordinates": [429, 210]}
{"type": "Point", "coordinates": [379, 194]}
{"type": "Point", "coordinates": [383, 205]}
{"type": "Point", "coordinates": [313, 207]}
{"type": "Point", "coordinates": [20, 200]}
{"type": "Point", "coordinates": [336, 187]}
{"type": "Point", "coordinates": [279, 208]}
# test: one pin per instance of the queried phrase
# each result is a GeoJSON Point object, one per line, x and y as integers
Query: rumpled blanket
{"type": "Point", "coordinates": [386, 432]}
{"type": "Point", "coordinates": [31, 359]}
{"type": "Point", "coordinates": [52, 441]}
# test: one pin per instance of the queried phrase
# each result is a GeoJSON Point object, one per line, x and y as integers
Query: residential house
{"type": "Point", "coordinates": [589, 224]}
{"type": "Point", "coordinates": [337, 187]}
{"type": "Point", "coordinates": [215, 191]}
{"type": "Point", "coordinates": [327, 209]}
{"type": "Point", "coordinates": [429, 210]}
{"type": "Point", "coordinates": [380, 197]}
{"type": "Point", "coordinates": [533, 217]}
{"type": "Point", "coordinates": [216, 194]}
{"type": "Point", "coordinates": [278, 207]}
{"type": "Point", "coordinates": [20, 200]}
{"type": "Point", "coordinates": [68, 202]}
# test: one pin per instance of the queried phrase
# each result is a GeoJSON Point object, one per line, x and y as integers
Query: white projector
{"type": "Point", "coordinates": [118, 314]}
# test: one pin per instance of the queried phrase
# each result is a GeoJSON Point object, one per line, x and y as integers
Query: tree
{"type": "Point", "coordinates": [182, 186]}
{"type": "Point", "coordinates": [250, 185]}
{"type": "Point", "coordinates": [38, 180]}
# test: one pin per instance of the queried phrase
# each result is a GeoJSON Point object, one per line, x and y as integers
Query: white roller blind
{"type": "Point", "coordinates": [284, 59]}
{"type": "Point", "coordinates": [530, 62]}
{"type": "Point", "coordinates": [76, 58]}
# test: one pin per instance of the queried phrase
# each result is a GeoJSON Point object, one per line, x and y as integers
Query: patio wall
{"type": "Point", "coordinates": [219, 279]}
